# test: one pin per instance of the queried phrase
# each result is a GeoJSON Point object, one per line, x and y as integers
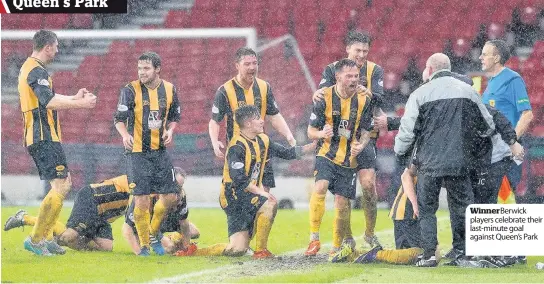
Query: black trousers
{"type": "Point", "coordinates": [487, 182]}
{"type": "Point", "coordinates": [460, 195]}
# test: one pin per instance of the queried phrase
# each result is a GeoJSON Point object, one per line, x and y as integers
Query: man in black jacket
{"type": "Point", "coordinates": [445, 116]}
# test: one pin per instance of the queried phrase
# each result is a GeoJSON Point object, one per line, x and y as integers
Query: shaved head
{"type": "Point", "coordinates": [437, 61]}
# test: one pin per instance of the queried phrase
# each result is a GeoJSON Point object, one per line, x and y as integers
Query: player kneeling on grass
{"type": "Point", "coordinates": [88, 228]}
{"type": "Point", "coordinates": [176, 223]}
{"type": "Point", "coordinates": [242, 196]}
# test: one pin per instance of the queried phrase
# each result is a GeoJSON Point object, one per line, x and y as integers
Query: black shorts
{"type": "Point", "coordinates": [367, 158]}
{"type": "Point", "coordinates": [50, 159]}
{"type": "Point", "coordinates": [268, 175]}
{"type": "Point", "coordinates": [241, 209]}
{"type": "Point", "coordinates": [341, 179]}
{"type": "Point", "coordinates": [407, 234]}
{"type": "Point", "coordinates": [84, 217]}
{"type": "Point", "coordinates": [151, 172]}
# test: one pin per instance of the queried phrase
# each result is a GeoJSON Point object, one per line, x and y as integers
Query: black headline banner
{"type": "Point", "coordinates": [66, 6]}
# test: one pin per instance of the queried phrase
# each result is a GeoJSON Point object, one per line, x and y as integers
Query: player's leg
{"type": "Point", "coordinates": [139, 167]}
{"type": "Point", "coordinates": [460, 195]}
{"type": "Point", "coordinates": [341, 219]}
{"type": "Point", "coordinates": [366, 165]}
{"type": "Point", "coordinates": [238, 244]}
{"type": "Point", "coordinates": [428, 190]}
{"type": "Point", "coordinates": [51, 162]}
{"type": "Point", "coordinates": [263, 223]}
{"type": "Point", "coordinates": [324, 174]}
{"type": "Point", "coordinates": [131, 237]}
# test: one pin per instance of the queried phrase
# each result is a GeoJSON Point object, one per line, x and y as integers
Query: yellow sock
{"type": "Point", "coordinates": [399, 256]}
{"type": "Point", "coordinates": [47, 216]}
{"type": "Point", "coordinates": [371, 211]}
{"type": "Point", "coordinates": [29, 220]}
{"type": "Point", "coordinates": [141, 220]}
{"type": "Point", "coordinates": [59, 228]}
{"type": "Point", "coordinates": [317, 210]}
{"type": "Point", "coordinates": [214, 250]}
{"type": "Point", "coordinates": [264, 225]}
{"type": "Point", "coordinates": [176, 237]}
{"type": "Point", "coordinates": [339, 225]}
{"type": "Point", "coordinates": [347, 229]}
{"type": "Point", "coordinates": [159, 211]}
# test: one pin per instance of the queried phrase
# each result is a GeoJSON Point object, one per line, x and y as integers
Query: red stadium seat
{"type": "Point", "coordinates": [10, 22]}
{"type": "Point", "coordinates": [82, 21]}
{"type": "Point", "coordinates": [32, 22]}
{"type": "Point", "coordinates": [177, 19]}
{"type": "Point", "coordinates": [514, 63]}
{"type": "Point", "coordinates": [56, 21]}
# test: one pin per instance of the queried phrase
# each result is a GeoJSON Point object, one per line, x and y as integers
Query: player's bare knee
{"type": "Point", "coordinates": [170, 199]}
{"type": "Point", "coordinates": [341, 202]}
{"type": "Point", "coordinates": [321, 187]}
{"type": "Point", "coordinates": [61, 186]}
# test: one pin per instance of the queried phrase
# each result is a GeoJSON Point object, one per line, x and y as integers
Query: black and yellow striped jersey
{"type": "Point", "coordinates": [348, 118]}
{"type": "Point", "coordinates": [246, 159]}
{"type": "Point", "coordinates": [146, 113]}
{"type": "Point", "coordinates": [111, 197]}
{"type": "Point", "coordinates": [402, 208]}
{"type": "Point", "coordinates": [231, 95]}
{"type": "Point", "coordinates": [35, 92]}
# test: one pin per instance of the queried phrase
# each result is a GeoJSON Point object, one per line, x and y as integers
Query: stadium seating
{"type": "Point", "coordinates": [402, 30]}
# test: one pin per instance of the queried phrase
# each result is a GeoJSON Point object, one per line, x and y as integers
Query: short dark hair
{"type": "Point", "coordinates": [243, 51]}
{"type": "Point", "coordinates": [151, 56]}
{"type": "Point", "coordinates": [357, 37]}
{"type": "Point", "coordinates": [502, 48]}
{"type": "Point", "coordinates": [344, 63]}
{"type": "Point", "coordinates": [246, 113]}
{"type": "Point", "coordinates": [42, 38]}
{"type": "Point", "coordinates": [180, 171]}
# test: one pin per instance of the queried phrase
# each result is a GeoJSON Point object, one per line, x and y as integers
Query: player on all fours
{"type": "Point", "coordinates": [89, 226]}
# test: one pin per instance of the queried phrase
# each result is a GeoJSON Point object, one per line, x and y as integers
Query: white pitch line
{"type": "Point", "coordinates": [216, 271]}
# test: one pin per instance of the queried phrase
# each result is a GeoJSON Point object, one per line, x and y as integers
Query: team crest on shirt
{"type": "Point", "coordinates": [154, 120]}
{"type": "Point", "coordinates": [492, 103]}
{"type": "Point", "coordinates": [254, 200]}
{"type": "Point", "coordinates": [241, 104]}
{"type": "Point", "coordinates": [146, 103]}
{"type": "Point", "coordinates": [132, 185]}
{"type": "Point", "coordinates": [43, 82]}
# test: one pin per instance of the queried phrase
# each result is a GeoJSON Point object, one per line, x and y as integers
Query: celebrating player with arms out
{"type": "Point", "coordinates": [371, 83]}
{"type": "Point", "coordinates": [243, 197]}
{"type": "Point", "coordinates": [246, 89]}
{"type": "Point", "coordinates": [341, 123]}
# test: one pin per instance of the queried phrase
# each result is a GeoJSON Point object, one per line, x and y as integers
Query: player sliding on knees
{"type": "Point", "coordinates": [242, 196]}
{"type": "Point", "coordinates": [176, 223]}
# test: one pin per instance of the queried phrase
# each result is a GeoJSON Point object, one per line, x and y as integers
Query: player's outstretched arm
{"type": "Point", "coordinates": [131, 238]}
{"type": "Point", "coordinates": [291, 153]}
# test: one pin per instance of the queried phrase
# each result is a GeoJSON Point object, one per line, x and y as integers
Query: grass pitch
{"type": "Point", "coordinates": [288, 239]}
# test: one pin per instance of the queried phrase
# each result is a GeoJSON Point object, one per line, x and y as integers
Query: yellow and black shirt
{"type": "Point", "coordinates": [111, 197]}
{"type": "Point", "coordinates": [246, 159]}
{"type": "Point", "coordinates": [35, 92]}
{"type": "Point", "coordinates": [348, 118]}
{"type": "Point", "coordinates": [371, 75]}
{"type": "Point", "coordinates": [146, 113]}
{"type": "Point", "coordinates": [232, 95]}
